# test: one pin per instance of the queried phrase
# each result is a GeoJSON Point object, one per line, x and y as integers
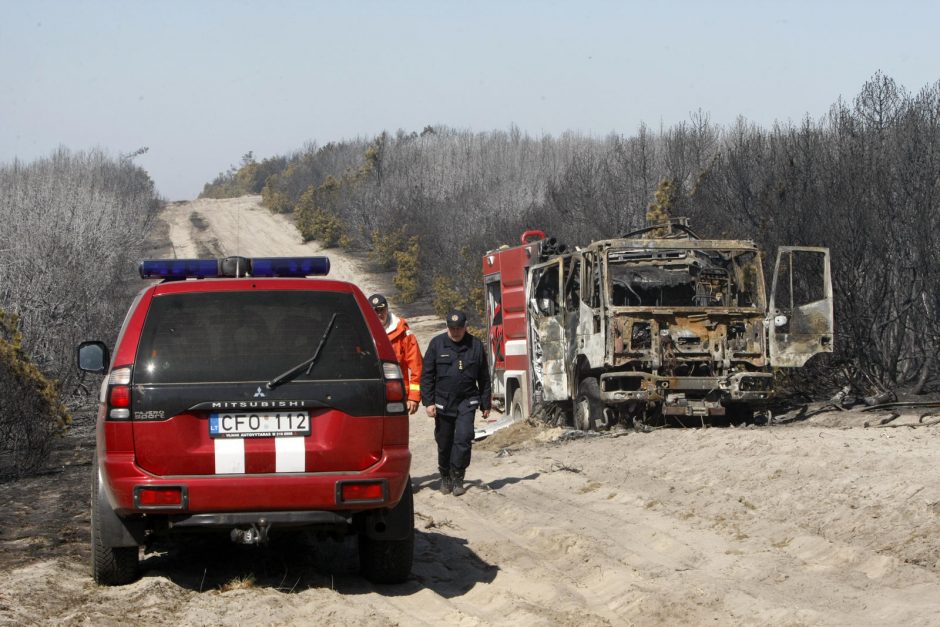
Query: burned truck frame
{"type": "Point", "coordinates": [644, 330]}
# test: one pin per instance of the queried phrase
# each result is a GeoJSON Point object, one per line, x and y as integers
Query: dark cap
{"type": "Point", "coordinates": [456, 318]}
{"type": "Point", "coordinates": [378, 301]}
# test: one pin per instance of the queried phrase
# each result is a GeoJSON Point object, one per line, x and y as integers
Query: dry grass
{"type": "Point", "coordinates": [238, 583]}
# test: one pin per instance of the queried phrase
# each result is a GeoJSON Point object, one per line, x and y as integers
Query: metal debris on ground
{"type": "Point", "coordinates": [903, 404]}
{"type": "Point", "coordinates": [548, 414]}
{"type": "Point", "coordinates": [920, 423]}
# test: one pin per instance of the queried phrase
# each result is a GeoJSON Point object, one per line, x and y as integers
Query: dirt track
{"type": "Point", "coordinates": [823, 521]}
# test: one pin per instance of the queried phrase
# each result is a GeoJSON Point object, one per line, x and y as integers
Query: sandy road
{"type": "Point", "coordinates": [822, 522]}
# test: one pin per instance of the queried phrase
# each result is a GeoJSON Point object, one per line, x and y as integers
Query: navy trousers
{"type": "Point", "coordinates": [454, 435]}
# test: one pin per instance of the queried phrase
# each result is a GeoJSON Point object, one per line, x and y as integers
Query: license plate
{"type": "Point", "coordinates": [262, 424]}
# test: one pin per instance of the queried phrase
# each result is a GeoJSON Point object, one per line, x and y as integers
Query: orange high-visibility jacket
{"type": "Point", "coordinates": [409, 354]}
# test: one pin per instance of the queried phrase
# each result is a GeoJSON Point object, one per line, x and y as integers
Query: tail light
{"type": "Point", "coordinates": [361, 491]}
{"type": "Point", "coordinates": [160, 497]}
{"type": "Point", "coordinates": [394, 388]}
{"type": "Point", "coordinates": [119, 394]}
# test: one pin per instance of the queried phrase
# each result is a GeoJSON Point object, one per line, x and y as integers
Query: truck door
{"type": "Point", "coordinates": [799, 317]}
{"type": "Point", "coordinates": [547, 335]}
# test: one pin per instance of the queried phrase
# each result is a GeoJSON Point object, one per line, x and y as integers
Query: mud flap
{"type": "Point", "coordinates": [395, 523]}
{"type": "Point", "coordinates": [114, 531]}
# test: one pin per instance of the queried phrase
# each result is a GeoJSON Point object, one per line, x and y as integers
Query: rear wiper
{"type": "Point", "coordinates": [304, 366]}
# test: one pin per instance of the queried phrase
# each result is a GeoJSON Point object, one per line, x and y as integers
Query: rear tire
{"type": "Point", "coordinates": [110, 565]}
{"type": "Point", "coordinates": [588, 408]}
{"type": "Point", "coordinates": [389, 561]}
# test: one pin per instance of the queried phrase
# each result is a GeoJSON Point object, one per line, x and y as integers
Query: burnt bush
{"type": "Point", "coordinates": [72, 228]}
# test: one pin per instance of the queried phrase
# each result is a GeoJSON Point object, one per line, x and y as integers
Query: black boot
{"type": "Point", "coordinates": [447, 485]}
{"type": "Point", "coordinates": [458, 486]}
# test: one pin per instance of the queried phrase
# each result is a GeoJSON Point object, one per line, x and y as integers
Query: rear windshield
{"type": "Point", "coordinates": [253, 336]}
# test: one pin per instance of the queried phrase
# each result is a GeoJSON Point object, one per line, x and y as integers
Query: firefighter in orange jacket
{"type": "Point", "coordinates": [406, 349]}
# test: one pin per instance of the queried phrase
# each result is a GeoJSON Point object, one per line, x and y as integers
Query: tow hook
{"type": "Point", "coordinates": [256, 534]}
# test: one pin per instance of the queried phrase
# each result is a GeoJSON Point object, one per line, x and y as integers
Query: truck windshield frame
{"type": "Point", "coordinates": [685, 278]}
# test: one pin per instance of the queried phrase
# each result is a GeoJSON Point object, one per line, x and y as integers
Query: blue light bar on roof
{"type": "Point", "coordinates": [178, 268]}
{"type": "Point", "coordinates": [290, 266]}
{"type": "Point", "coordinates": [234, 267]}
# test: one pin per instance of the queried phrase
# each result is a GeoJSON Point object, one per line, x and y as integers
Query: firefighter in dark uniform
{"type": "Point", "coordinates": [455, 382]}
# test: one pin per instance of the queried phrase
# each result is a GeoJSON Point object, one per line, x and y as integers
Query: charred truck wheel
{"type": "Point", "coordinates": [588, 408]}
{"type": "Point", "coordinates": [739, 413]}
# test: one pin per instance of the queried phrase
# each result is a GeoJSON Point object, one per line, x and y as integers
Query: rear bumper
{"type": "Point", "coordinates": [280, 519]}
{"type": "Point", "coordinates": [286, 493]}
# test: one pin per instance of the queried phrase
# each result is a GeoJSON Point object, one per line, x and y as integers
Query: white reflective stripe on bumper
{"type": "Point", "coordinates": [291, 454]}
{"type": "Point", "coordinates": [515, 347]}
{"type": "Point", "coordinates": [229, 456]}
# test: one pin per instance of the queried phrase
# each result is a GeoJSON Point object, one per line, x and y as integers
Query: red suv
{"type": "Point", "coordinates": [244, 396]}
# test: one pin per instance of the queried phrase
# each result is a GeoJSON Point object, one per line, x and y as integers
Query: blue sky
{"type": "Point", "coordinates": [202, 82]}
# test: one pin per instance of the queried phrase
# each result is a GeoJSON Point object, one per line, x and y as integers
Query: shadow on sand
{"type": "Point", "coordinates": [296, 561]}
{"type": "Point", "coordinates": [433, 482]}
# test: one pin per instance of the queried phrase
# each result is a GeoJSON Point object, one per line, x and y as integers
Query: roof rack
{"type": "Point", "coordinates": [676, 228]}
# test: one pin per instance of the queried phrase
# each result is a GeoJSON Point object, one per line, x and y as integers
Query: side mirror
{"type": "Point", "coordinates": [93, 357]}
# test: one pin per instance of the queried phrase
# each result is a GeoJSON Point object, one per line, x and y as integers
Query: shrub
{"type": "Point", "coordinates": [462, 289]}
{"type": "Point", "coordinates": [328, 229]}
{"type": "Point", "coordinates": [385, 244]}
{"type": "Point", "coordinates": [407, 273]}
{"type": "Point", "coordinates": [660, 210]}
{"type": "Point", "coordinates": [30, 411]}
{"type": "Point", "coordinates": [277, 202]}
{"type": "Point", "coordinates": [447, 296]}
{"type": "Point", "coordinates": [304, 213]}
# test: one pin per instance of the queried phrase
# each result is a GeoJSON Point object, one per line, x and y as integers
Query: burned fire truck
{"type": "Point", "coordinates": [653, 327]}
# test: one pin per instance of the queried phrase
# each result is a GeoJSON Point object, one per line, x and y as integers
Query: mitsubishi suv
{"type": "Point", "coordinates": [244, 396]}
